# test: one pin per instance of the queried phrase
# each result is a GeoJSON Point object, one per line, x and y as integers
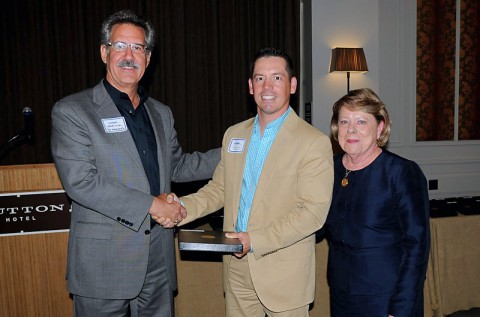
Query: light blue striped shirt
{"type": "Point", "coordinates": [256, 155]}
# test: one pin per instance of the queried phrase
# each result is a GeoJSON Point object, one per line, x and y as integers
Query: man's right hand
{"type": "Point", "coordinates": [167, 211]}
{"type": "Point", "coordinates": [173, 197]}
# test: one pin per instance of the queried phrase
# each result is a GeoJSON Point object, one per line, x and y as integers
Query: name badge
{"type": "Point", "coordinates": [114, 125]}
{"type": "Point", "coordinates": [236, 145]}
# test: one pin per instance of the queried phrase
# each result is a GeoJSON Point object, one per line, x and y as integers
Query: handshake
{"type": "Point", "coordinates": [167, 211]}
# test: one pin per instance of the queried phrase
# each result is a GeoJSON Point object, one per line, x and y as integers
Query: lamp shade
{"type": "Point", "coordinates": [348, 60]}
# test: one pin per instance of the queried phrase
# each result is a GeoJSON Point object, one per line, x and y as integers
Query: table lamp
{"type": "Point", "coordinates": [348, 60]}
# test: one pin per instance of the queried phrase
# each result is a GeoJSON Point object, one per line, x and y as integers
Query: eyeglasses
{"type": "Point", "coordinates": [122, 47]}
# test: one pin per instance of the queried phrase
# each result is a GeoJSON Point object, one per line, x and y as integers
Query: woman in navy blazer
{"type": "Point", "coordinates": [378, 224]}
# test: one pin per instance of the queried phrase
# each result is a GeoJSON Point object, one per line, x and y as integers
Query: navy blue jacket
{"type": "Point", "coordinates": [378, 233]}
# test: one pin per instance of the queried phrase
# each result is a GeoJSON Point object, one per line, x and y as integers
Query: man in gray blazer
{"type": "Point", "coordinates": [116, 151]}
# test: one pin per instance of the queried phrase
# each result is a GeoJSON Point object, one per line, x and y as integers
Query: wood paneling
{"type": "Point", "coordinates": [33, 266]}
{"type": "Point", "coordinates": [17, 178]}
{"type": "Point", "coordinates": [33, 275]}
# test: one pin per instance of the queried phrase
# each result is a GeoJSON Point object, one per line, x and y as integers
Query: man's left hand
{"type": "Point", "coordinates": [244, 239]}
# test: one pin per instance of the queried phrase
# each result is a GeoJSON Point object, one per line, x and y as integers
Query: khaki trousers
{"type": "Point", "coordinates": [241, 298]}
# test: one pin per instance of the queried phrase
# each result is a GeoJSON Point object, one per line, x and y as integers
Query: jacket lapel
{"type": "Point", "coordinates": [239, 165]}
{"type": "Point", "coordinates": [107, 109]}
{"type": "Point", "coordinates": [157, 126]}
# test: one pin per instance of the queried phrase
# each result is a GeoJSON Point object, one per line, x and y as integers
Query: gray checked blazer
{"type": "Point", "coordinates": [102, 173]}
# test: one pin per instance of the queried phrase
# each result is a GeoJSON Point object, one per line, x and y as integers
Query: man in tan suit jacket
{"type": "Point", "coordinates": [279, 168]}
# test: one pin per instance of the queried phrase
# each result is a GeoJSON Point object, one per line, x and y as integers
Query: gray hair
{"type": "Point", "coordinates": [127, 17]}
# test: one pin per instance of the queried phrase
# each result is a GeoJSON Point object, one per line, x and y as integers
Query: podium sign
{"type": "Point", "coordinates": [34, 212]}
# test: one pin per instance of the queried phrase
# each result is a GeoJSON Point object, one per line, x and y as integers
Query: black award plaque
{"type": "Point", "coordinates": [213, 241]}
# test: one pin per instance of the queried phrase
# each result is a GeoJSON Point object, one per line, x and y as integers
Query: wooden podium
{"type": "Point", "coordinates": [33, 266]}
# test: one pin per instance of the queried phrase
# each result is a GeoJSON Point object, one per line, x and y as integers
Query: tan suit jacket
{"type": "Point", "coordinates": [291, 203]}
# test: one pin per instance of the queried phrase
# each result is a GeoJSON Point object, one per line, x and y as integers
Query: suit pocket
{"type": "Point", "coordinates": [93, 230]}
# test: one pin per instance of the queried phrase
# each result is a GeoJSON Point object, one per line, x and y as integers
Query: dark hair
{"type": "Point", "coordinates": [127, 17]}
{"type": "Point", "coordinates": [268, 52]}
{"type": "Point", "coordinates": [367, 101]}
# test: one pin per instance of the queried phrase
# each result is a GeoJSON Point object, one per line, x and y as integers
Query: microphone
{"type": "Point", "coordinates": [26, 135]}
{"type": "Point", "coordinates": [28, 128]}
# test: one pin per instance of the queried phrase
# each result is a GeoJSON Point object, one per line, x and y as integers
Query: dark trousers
{"type": "Point", "coordinates": [155, 298]}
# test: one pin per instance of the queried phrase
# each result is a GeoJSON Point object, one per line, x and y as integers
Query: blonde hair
{"type": "Point", "coordinates": [367, 101]}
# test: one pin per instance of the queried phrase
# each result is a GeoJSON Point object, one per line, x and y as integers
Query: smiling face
{"type": "Point", "coordinates": [358, 132]}
{"type": "Point", "coordinates": [271, 87]}
{"type": "Point", "coordinates": [125, 69]}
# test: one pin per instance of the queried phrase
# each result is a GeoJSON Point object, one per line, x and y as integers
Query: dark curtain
{"type": "Point", "coordinates": [199, 67]}
{"type": "Point", "coordinates": [469, 85]}
{"type": "Point", "coordinates": [436, 36]}
{"type": "Point", "coordinates": [435, 70]}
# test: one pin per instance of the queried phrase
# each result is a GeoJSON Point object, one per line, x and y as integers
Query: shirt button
{"type": "Point", "coordinates": [144, 152]}
{"type": "Point", "coordinates": [147, 232]}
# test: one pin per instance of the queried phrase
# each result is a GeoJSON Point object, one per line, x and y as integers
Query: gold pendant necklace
{"type": "Point", "coordinates": [345, 178]}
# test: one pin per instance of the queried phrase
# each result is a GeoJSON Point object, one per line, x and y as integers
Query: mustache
{"type": "Point", "coordinates": [128, 63]}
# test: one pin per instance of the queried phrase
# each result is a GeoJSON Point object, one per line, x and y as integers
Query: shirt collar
{"type": "Point", "coordinates": [275, 124]}
{"type": "Point", "coordinates": [121, 99]}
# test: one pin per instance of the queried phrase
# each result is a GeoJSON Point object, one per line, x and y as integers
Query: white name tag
{"type": "Point", "coordinates": [114, 125]}
{"type": "Point", "coordinates": [236, 145]}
